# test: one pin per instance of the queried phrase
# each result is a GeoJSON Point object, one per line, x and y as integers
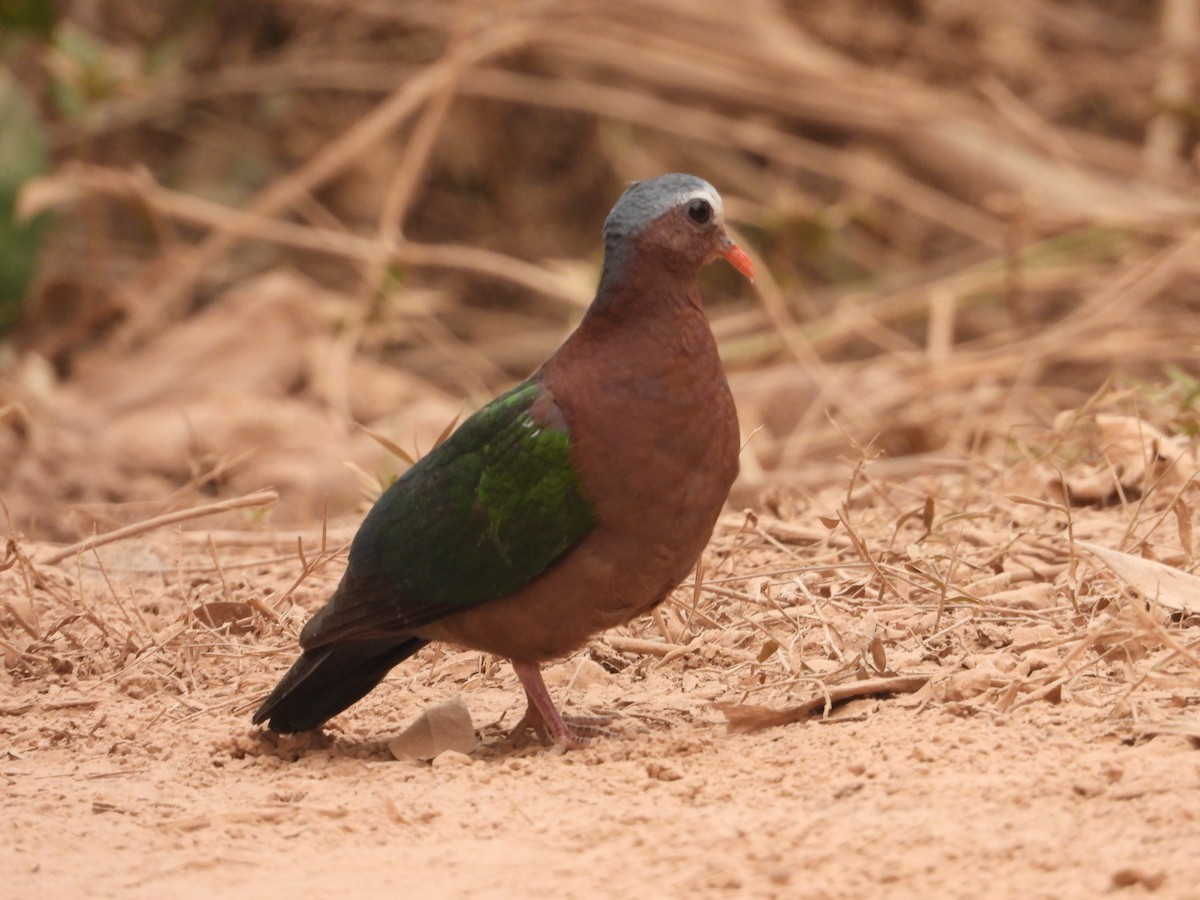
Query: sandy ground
{"type": "Point", "coordinates": [1046, 746]}
{"type": "Point", "coordinates": [116, 799]}
{"type": "Point", "coordinates": [1052, 752]}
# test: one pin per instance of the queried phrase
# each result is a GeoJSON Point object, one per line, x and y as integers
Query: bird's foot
{"type": "Point", "coordinates": [547, 722]}
{"type": "Point", "coordinates": [568, 732]}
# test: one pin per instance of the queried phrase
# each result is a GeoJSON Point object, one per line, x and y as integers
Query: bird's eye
{"type": "Point", "coordinates": [700, 211]}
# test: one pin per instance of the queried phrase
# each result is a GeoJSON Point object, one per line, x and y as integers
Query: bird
{"type": "Point", "coordinates": [569, 505]}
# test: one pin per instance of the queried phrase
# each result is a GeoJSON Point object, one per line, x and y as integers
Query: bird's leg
{"type": "Point", "coordinates": [545, 719]}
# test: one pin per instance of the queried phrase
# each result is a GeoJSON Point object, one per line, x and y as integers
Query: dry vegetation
{"type": "Point", "coordinates": [966, 376]}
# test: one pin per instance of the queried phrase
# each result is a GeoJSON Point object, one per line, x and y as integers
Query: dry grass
{"type": "Point", "coordinates": [959, 224]}
{"type": "Point", "coordinates": [973, 588]}
{"type": "Point", "coordinates": [968, 222]}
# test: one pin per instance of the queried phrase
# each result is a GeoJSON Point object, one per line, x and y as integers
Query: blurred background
{"type": "Point", "coordinates": [231, 234]}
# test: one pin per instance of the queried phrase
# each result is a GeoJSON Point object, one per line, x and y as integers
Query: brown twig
{"type": "Point", "coordinates": [745, 718]}
{"type": "Point", "coordinates": [249, 501]}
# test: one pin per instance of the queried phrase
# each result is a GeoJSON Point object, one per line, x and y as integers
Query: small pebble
{"type": "Point", "coordinates": [451, 758]}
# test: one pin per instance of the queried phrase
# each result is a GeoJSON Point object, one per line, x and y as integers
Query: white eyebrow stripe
{"type": "Point", "coordinates": [714, 200]}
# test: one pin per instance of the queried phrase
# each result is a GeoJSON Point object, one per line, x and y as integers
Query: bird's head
{"type": "Point", "coordinates": [677, 220]}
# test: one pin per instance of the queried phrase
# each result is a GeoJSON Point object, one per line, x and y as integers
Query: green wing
{"type": "Point", "coordinates": [476, 519]}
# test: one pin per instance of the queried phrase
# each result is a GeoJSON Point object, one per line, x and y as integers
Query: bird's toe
{"type": "Point", "coordinates": [590, 726]}
{"type": "Point", "coordinates": [567, 732]}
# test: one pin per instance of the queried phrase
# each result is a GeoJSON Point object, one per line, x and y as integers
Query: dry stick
{"type": "Point", "coordinates": [816, 682]}
{"type": "Point", "coordinates": [705, 617]}
{"type": "Point", "coordinates": [212, 553]}
{"type": "Point", "coordinates": [199, 568]}
{"type": "Point", "coordinates": [331, 160]}
{"type": "Point", "coordinates": [273, 539]}
{"type": "Point", "coordinates": [1143, 495]}
{"type": "Point", "coordinates": [1151, 489]}
{"type": "Point", "coordinates": [775, 306]}
{"type": "Point", "coordinates": [1084, 640]}
{"type": "Point", "coordinates": [1183, 525]}
{"type": "Point", "coordinates": [738, 132]}
{"type": "Point", "coordinates": [744, 718]}
{"type": "Point", "coordinates": [136, 619]}
{"type": "Point", "coordinates": [419, 148]}
{"type": "Point", "coordinates": [660, 622]}
{"type": "Point", "coordinates": [306, 569]}
{"type": "Point", "coordinates": [1119, 298]}
{"type": "Point", "coordinates": [641, 646]}
{"type": "Point", "coordinates": [628, 105]}
{"type": "Point", "coordinates": [14, 557]}
{"type": "Point", "coordinates": [693, 645]}
{"type": "Point", "coordinates": [1074, 337]}
{"type": "Point", "coordinates": [845, 96]}
{"type": "Point", "coordinates": [143, 655]}
{"type": "Point", "coordinates": [429, 330]}
{"type": "Point", "coordinates": [258, 498]}
{"type": "Point", "coordinates": [29, 628]}
{"type": "Point", "coordinates": [836, 646]}
{"type": "Point", "coordinates": [860, 547]}
{"type": "Point", "coordinates": [448, 256]}
{"type": "Point", "coordinates": [639, 108]}
{"type": "Point", "coordinates": [396, 203]}
{"type": "Point", "coordinates": [697, 588]}
{"type": "Point", "coordinates": [1163, 635]}
{"type": "Point", "coordinates": [1072, 555]}
{"type": "Point", "coordinates": [1063, 509]}
{"type": "Point", "coordinates": [241, 224]}
{"type": "Point", "coordinates": [1048, 689]}
{"type": "Point", "coordinates": [1028, 121]}
{"type": "Point", "coordinates": [81, 599]}
{"type": "Point", "coordinates": [791, 56]}
{"type": "Point", "coordinates": [1168, 129]}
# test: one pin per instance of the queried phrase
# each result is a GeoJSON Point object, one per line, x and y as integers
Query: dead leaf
{"type": "Point", "coordinates": [878, 654]}
{"type": "Point", "coordinates": [767, 650]}
{"type": "Point", "coordinates": [1134, 455]}
{"type": "Point", "coordinates": [1166, 586]}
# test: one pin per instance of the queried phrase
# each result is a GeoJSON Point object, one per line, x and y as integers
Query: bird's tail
{"type": "Point", "coordinates": [326, 680]}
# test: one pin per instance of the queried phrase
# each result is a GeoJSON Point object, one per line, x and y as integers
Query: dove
{"type": "Point", "coordinates": [569, 505]}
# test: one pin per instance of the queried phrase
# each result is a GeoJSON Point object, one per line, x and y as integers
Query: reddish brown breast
{"type": "Point", "coordinates": [654, 430]}
{"type": "Point", "coordinates": [654, 439]}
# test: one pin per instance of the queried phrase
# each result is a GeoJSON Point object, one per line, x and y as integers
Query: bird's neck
{"type": "Point", "coordinates": [645, 315]}
{"type": "Point", "coordinates": [643, 305]}
{"type": "Point", "coordinates": [638, 288]}
{"type": "Point", "coordinates": [645, 334]}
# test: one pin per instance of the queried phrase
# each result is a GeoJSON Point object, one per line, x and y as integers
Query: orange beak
{"type": "Point", "coordinates": [738, 259]}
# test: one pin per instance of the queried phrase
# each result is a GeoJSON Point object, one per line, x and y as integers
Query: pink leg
{"type": "Point", "coordinates": [544, 718]}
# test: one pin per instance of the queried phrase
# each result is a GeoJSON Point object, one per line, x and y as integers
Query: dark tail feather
{"type": "Point", "coordinates": [326, 680]}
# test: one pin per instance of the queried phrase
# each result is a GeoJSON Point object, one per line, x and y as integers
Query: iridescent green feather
{"type": "Point", "coordinates": [478, 518]}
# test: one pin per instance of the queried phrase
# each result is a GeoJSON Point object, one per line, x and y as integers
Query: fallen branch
{"type": "Point", "coordinates": [744, 718]}
{"type": "Point", "coordinates": [258, 498]}
{"type": "Point", "coordinates": [642, 646]}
